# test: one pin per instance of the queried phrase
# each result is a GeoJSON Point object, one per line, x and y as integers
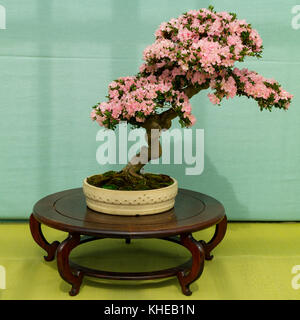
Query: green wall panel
{"type": "Point", "coordinates": [56, 60]}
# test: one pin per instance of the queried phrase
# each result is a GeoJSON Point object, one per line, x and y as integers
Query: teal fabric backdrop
{"type": "Point", "coordinates": [56, 60]}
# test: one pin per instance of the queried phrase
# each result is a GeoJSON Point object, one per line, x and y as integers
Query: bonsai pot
{"type": "Point", "coordinates": [130, 203]}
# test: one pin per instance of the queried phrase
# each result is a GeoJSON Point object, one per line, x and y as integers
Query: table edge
{"type": "Point", "coordinates": [129, 234]}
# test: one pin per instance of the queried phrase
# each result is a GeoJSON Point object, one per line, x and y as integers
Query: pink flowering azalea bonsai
{"type": "Point", "coordinates": [194, 52]}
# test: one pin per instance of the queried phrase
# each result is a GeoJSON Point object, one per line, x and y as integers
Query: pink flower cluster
{"type": "Point", "coordinates": [198, 49]}
{"type": "Point", "coordinates": [203, 40]}
{"type": "Point", "coordinates": [132, 99]}
{"type": "Point", "coordinates": [267, 92]}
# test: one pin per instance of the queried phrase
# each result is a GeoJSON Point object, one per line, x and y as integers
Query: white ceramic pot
{"type": "Point", "coordinates": [130, 203]}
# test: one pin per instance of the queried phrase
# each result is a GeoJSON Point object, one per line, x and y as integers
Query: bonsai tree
{"type": "Point", "coordinates": [194, 52]}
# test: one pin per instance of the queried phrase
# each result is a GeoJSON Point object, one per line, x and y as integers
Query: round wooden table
{"type": "Point", "coordinates": [67, 211]}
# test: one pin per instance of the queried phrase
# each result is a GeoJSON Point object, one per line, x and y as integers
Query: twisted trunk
{"type": "Point", "coordinates": [154, 125]}
{"type": "Point", "coordinates": [153, 128]}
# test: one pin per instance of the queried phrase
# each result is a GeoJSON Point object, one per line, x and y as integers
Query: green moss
{"type": "Point", "coordinates": [119, 181]}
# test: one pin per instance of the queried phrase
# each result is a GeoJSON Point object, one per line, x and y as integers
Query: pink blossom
{"type": "Point", "coordinates": [185, 34]}
{"type": "Point", "coordinates": [113, 94]}
{"type": "Point", "coordinates": [199, 77]}
{"type": "Point", "coordinates": [213, 98]}
{"type": "Point", "coordinates": [176, 72]}
{"type": "Point", "coordinates": [186, 108]}
{"type": "Point", "coordinates": [229, 87]}
{"type": "Point", "coordinates": [200, 46]}
{"type": "Point", "coordinates": [192, 120]}
{"type": "Point", "coordinates": [93, 114]}
{"type": "Point", "coordinates": [233, 40]}
{"type": "Point", "coordinates": [225, 15]}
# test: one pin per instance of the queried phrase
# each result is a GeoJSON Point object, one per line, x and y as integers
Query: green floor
{"type": "Point", "coordinates": [254, 261]}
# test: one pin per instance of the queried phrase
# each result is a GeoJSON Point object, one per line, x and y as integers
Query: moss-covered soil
{"type": "Point", "coordinates": [119, 181]}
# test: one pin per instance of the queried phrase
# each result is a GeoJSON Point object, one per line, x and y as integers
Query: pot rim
{"type": "Point", "coordinates": [173, 185]}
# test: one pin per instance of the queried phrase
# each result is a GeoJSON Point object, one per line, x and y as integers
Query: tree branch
{"type": "Point", "coordinates": [157, 121]}
{"type": "Point", "coordinates": [191, 90]}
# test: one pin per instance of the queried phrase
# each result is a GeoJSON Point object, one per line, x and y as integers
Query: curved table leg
{"type": "Point", "coordinates": [63, 252]}
{"type": "Point", "coordinates": [196, 248]}
{"type": "Point", "coordinates": [216, 239]}
{"type": "Point", "coordinates": [36, 231]}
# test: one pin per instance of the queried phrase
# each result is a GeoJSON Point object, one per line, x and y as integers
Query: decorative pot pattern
{"type": "Point", "coordinates": [129, 203]}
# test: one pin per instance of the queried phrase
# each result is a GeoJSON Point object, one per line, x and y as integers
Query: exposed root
{"type": "Point", "coordinates": [135, 174]}
{"type": "Point", "coordinates": [132, 171]}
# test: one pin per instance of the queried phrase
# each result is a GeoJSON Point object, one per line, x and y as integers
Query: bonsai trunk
{"type": "Point", "coordinates": [153, 151]}
{"type": "Point", "coordinates": [154, 125]}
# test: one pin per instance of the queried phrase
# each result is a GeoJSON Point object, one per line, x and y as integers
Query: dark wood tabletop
{"type": "Point", "coordinates": [67, 211]}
